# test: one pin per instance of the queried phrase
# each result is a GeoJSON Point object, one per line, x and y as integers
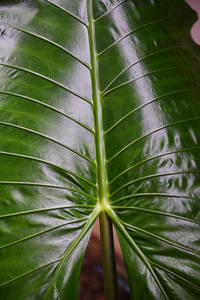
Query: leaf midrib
{"type": "Point", "coordinates": [102, 182]}
{"type": "Point", "coordinates": [100, 148]}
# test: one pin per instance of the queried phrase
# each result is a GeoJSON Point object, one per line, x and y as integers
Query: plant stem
{"type": "Point", "coordinates": [108, 258]}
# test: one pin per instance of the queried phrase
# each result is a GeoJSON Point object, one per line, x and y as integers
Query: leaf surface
{"type": "Point", "coordinates": [99, 110]}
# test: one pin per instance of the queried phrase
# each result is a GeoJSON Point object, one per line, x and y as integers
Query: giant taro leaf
{"type": "Point", "coordinates": [99, 111]}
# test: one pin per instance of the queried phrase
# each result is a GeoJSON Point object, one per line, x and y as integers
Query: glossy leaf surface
{"type": "Point", "coordinates": [99, 111]}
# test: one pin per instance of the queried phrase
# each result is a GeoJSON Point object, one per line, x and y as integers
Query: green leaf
{"type": "Point", "coordinates": [99, 112]}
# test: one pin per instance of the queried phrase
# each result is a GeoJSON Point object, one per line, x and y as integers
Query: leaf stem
{"type": "Point", "coordinates": [108, 258]}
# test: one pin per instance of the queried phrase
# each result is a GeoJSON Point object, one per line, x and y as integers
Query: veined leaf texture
{"type": "Point", "coordinates": [99, 111]}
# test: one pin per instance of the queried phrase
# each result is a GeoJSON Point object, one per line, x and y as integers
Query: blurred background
{"type": "Point", "coordinates": [91, 279]}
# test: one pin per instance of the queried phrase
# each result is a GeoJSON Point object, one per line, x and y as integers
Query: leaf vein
{"type": "Point", "coordinates": [48, 186]}
{"type": "Point", "coordinates": [50, 107]}
{"type": "Point", "coordinates": [160, 238]}
{"type": "Point", "coordinates": [68, 12]}
{"type": "Point", "coordinates": [162, 213]}
{"type": "Point", "coordinates": [136, 248]}
{"type": "Point", "coordinates": [109, 11]}
{"type": "Point", "coordinates": [41, 232]}
{"type": "Point", "coordinates": [29, 272]}
{"type": "Point", "coordinates": [21, 213]}
{"type": "Point", "coordinates": [47, 79]}
{"type": "Point", "coordinates": [174, 274]}
{"type": "Point", "coordinates": [153, 176]}
{"type": "Point", "coordinates": [151, 158]}
{"type": "Point", "coordinates": [130, 32]}
{"type": "Point", "coordinates": [87, 226]}
{"type": "Point", "coordinates": [136, 62]}
{"type": "Point", "coordinates": [50, 139]}
{"type": "Point", "coordinates": [145, 135]}
{"type": "Point", "coordinates": [145, 104]}
{"type": "Point", "coordinates": [48, 41]}
{"type": "Point", "coordinates": [144, 75]}
{"type": "Point", "coordinates": [156, 195]}
{"type": "Point", "coordinates": [49, 163]}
